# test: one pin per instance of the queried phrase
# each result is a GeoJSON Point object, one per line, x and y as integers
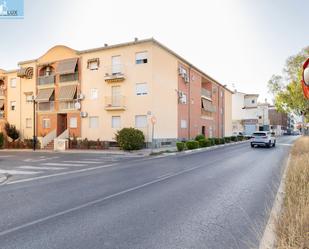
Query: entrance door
{"type": "Point", "coordinates": [61, 123]}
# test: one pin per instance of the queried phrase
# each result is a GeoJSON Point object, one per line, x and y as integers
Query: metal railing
{"type": "Point", "coordinates": [206, 93]}
{"type": "Point", "coordinates": [67, 105]}
{"type": "Point", "coordinates": [68, 77]}
{"type": "Point", "coordinates": [114, 71]}
{"type": "Point", "coordinates": [45, 106]}
{"type": "Point", "coordinates": [46, 80]}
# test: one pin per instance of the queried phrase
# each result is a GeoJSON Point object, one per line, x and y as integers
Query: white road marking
{"type": "Point", "coordinates": [40, 168]}
{"type": "Point", "coordinates": [62, 173]}
{"type": "Point", "coordinates": [82, 161]}
{"type": "Point", "coordinates": [19, 172]}
{"type": "Point", "coordinates": [40, 160]}
{"type": "Point", "coordinates": [65, 164]}
{"type": "Point", "coordinates": [284, 144]}
{"type": "Point", "coordinates": [91, 203]}
{"type": "Point", "coordinates": [6, 156]}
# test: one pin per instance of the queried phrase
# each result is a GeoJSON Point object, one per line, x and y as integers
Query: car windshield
{"type": "Point", "coordinates": [259, 134]}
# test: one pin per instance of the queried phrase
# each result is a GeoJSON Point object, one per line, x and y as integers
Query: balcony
{"type": "Point", "coordinates": [115, 73]}
{"type": "Point", "coordinates": [45, 106]}
{"type": "Point", "coordinates": [68, 77]}
{"type": "Point", "coordinates": [115, 103]}
{"type": "Point", "coordinates": [206, 94]}
{"type": "Point", "coordinates": [68, 105]}
{"type": "Point", "coordinates": [46, 80]}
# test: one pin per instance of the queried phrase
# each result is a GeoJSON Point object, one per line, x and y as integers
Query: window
{"type": "Point", "coordinates": [93, 122]}
{"type": "Point", "coordinates": [93, 64]}
{"type": "Point", "coordinates": [183, 124]}
{"type": "Point", "coordinates": [183, 98]}
{"type": "Point", "coordinates": [115, 121]}
{"type": "Point", "coordinates": [46, 123]}
{"type": "Point", "coordinates": [28, 122]}
{"type": "Point", "coordinates": [94, 93]}
{"type": "Point", "coordinates": [73, 122]}
{"type": "Point", "coordinates": [221, 94]}
{"type": "Point", "coordinates": [221, 111]}
{"type": "Point", "coordinates": [140, 121]}
{"type": "Point", "coordinates": [141, 58]}
{"type": "Point", "coordinates": [182, 71]}
{"type": "Point", "coordinates": [13, 82]}
{"type": "Point", "coordinates": [13, 105]}
{"type": "Point", "coordinates": [141, 89]}
{"type": "Point", "coordinates": [29, 98]}
{"type": "Point", "coordinates": [253, 101]}
{"type": "Point", "coordinates": [116, 65]}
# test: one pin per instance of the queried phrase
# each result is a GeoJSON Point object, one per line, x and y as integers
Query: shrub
{"type": "Point", "coordinates": [222, 140]}
{"type": "Point", "coordinates": [240, 138]}
{"type": "Point", "coordinates": [1, 140]}
{"type": "Point", "coordinates": [191, 145]}
{"type": "Point", "coordinates": [29, 144]}
{"type": "Point", "coordinates": [227, 139]}
{"type": "Point", "coordinates": [180, 146]}
{"type": "Point", "coordinates": [233, 138]}
{"type": "Point", "coordinates": [204, 143]}
{"type": "Point", "coordinates": [130, 139]}
{"type": "Point", "coordinates": [212, 141]}
{"type": "Point", "coordinates": [199, 137]}
{"type": "Point", "coordinates": [11, 131]}
{"type": "Point", "coordinates": [217, 140]}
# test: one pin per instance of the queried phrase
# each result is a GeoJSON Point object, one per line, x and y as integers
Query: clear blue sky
{"type": "Point", "coordinates": [237, 42]}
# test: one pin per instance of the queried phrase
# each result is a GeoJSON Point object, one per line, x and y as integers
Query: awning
{"type": "Point", "coordinates": [67, 93]}
{"type": "Point", "coordinates": [44, 95]}
{"type": "Point", "coordinates": [207, 106]}
{"type": "Point", "coordinates": [25, 72]}
{"type": "Point", "coordinates": [67, 66]}
{"type": "Point", "coordinates": [1, 104]}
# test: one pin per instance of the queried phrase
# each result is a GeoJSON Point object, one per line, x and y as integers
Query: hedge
{"type": "Point", "coordinates": [191, 145]}
{"type": "Point", "coordinates": [130, 139]}
{"type": "Point", "coordinates": [199, 137]}
{"type": "Point", "coordinates": [180, 146]}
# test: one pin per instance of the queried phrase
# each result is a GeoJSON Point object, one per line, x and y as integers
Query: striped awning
{"type": "Point", "coordinates": [44, 95]}
{"type": "Point", "coordinates": [67, 93]}
{"type": "Point", "coordinates": [1, 104]}
{"type": "Point", "coordinates": [67, 66]}
{"type": "Point", "coordinates": [25, 72]}
{"type": "Point", "coordinates": [207, 106]}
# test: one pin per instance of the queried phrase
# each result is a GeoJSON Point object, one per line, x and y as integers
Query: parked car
{"type": "Point", "coordinates": [296, 133]}
{"type": "Point", "coordinates": [264, 138]}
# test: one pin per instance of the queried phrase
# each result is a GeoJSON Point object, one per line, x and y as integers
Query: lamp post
{"type": "Point", "coordinates": [34, 135]}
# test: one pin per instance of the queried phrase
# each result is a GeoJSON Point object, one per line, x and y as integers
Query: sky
{"type": "Point", "coordinates": [240, 43]}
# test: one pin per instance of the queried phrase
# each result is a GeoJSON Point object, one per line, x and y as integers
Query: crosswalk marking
{"type": "Point", "coordinates": [41, 159]}
{"type": "Point", "coordinates": [81, 162]}
{"type": "Point", "coordinates": [64, 164]}
{"type": "Point", "coordinates": [19, 172]}
{"type": "Point", "coordinates": [6, 156]}
{"type": "Point", "coordinates": [40, 168]}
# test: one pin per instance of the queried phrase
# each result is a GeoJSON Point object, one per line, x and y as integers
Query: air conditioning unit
{"type": "Point", "coordinates": [84, 114]}
{"type": "Point", "coordinates": [77, 106]}
{"type": "Point", "coordinates": [187, 79]}
{"type": "Point", "coordinates": [80, 96]}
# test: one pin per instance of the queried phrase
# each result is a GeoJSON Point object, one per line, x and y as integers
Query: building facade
{"type": "Point", "coordinates": [93, 93]}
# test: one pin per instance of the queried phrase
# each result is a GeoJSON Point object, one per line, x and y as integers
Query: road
{"type": "Point", "coordinates": [215, 199]}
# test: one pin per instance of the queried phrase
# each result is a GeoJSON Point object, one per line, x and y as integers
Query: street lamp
{"type": "Point", "coordinates": [34, 135]}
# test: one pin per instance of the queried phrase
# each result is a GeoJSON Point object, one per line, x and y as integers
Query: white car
{"type": "Point", "coordinates": [264, 138]}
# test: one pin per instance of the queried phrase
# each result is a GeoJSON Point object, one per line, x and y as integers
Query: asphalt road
{"type": "Point", "coordinates": [215, 199]}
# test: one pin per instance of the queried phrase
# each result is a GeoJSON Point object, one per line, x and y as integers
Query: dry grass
{"type": "Point", "coordinates": [293, 224]}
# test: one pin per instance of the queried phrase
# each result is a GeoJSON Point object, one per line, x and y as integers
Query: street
{"type": "Point", "coordinates": [213, 199]}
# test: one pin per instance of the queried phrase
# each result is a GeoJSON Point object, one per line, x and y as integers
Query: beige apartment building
{"type": "Point", "coordinates": [93, 93]}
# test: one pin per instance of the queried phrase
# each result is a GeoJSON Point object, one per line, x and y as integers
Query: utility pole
{"type": "Point", "coordinates": [34, 135]}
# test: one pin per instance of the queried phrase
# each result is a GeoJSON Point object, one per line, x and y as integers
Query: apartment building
{"type": "Point", "coordinates": [93, 93]}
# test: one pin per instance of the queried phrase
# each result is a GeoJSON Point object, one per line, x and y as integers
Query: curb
{"type": "Point", "coordinates": [268, 240]}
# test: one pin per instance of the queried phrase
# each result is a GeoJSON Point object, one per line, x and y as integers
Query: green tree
{"type": "Point", "coordinates": [286, 88]}
{"type": "Point", "coordinates": [11, 131]}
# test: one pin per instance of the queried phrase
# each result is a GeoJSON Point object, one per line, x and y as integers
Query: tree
{"type": "Point", "coordinates": [11, 131]}
{"type": "Point", "coordinates": [286, 88]}
{"type": "Point", "coordinates": [130, 139]}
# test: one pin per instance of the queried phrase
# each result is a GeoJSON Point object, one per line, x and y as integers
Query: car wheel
{"type": "Point", "coordinates": [268, 144]}
{"type": "Point", "coordinates": [274, 144]}
{"type": "Point", "coordinates": [252, 145]}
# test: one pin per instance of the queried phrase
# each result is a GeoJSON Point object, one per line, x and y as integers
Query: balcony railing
{"type": "Point", "coordinates": [69, 77]}
{"type": "Point", "coordinates": [115, 73]}
{"type": "Point", "coordinates": [205, 93]}
{"type": "Point", "coordinates": [115, 103]}
{"type": "Point", "coordinates": [45, 106]}
{"type": "Point", "coordinates": [68, 105]}
{"type": "Point", "coordinates": [46, 80]}
{"type": "Point", "coordinates": [2, 115]}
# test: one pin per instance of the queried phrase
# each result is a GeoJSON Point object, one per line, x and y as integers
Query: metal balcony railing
{"type": "Point", "coordinates": [67, 105]}
{"type": "Point", "coordinates": [45, 106]}
{"type": "Point", "coordinates": [115, 103]}
{"type": "Point", "coordinates": [69, 77]}
{"type": "Point", "coordinates": [206, 93]}
{"type": "Point", "coordinates": [114, 73]}
{"type": "Point", "coordinates": [46, 80]}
